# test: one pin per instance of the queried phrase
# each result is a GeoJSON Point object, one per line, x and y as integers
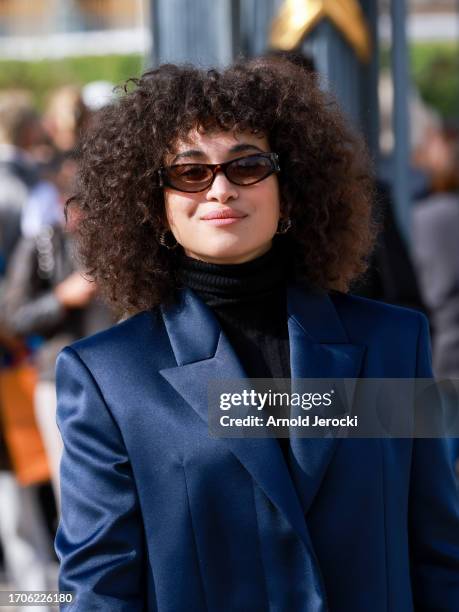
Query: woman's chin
{"type": "Point", "coordinates": [229, 253]}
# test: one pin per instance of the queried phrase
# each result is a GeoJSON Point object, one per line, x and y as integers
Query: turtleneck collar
{"type": "Point", "coordinates": [254, 280]}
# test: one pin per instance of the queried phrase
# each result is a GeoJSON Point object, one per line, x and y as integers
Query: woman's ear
{"type": "Point", "coordinates": [285, 223]}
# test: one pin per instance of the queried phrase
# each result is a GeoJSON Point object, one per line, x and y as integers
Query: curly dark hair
{"type": "Point", "coordinates": [325, 180]}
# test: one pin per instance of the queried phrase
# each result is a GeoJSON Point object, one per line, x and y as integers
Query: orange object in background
{"type": "Point", "coordinates": [22, 437]}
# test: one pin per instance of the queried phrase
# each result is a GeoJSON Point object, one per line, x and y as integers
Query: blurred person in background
{"type": "Point", "coordinates": [28, 558]}
{"type": "Point", "coordinates": [20, 131]}
{"type": "Point", "coordinates": [422, 119]}
{"type": "Point", "coordinates": [46, 302]}
{"type": "Point", "coordinates": [65, 116]}
{"type": "Point", "coordinates": [436, 247]}
{"type": "Point", "coordinates": [69, 111]}
{"type": "Point", "coordinates": [64, 119]}
{"type": "Point", "coordinates": [46, 296]}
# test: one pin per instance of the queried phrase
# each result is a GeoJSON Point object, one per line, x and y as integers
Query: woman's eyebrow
{"type": "Point", "coordinates": [239, 148]}
{"type": "Point", "coordinates": [189, 153]}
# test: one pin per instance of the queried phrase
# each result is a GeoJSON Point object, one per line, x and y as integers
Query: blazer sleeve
{"type": "Point", "coordinates": [434, 513]}
{"type": "Point", "coordinates": [100, 540]}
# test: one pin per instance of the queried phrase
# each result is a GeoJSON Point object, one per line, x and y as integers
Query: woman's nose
{"type": "Point", "coordinates": [221, 189]}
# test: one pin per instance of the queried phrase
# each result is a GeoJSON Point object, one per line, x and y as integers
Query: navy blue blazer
{"type": "Point", "coordinates": [159, 516]}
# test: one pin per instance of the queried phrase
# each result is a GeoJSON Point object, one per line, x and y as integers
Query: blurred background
{"type": "Point", "coordinates": [392, 64]}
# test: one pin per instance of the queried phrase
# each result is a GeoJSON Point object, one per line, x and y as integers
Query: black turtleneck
{"type": "Point", "coordinates": [249, 300]}
{"type": "Point", "coordinates": [250, 303]}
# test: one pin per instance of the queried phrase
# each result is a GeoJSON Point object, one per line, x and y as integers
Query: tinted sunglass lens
{"type": "Point", "coordinates": [189, 177]}
{"type": "Point", "coordinates": [249, 170]}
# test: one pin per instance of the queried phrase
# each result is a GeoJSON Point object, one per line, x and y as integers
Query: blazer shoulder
{"type": "Point", "coordinates": [123, 340]}
{"type": "Point", "coordinates": [364, 315]}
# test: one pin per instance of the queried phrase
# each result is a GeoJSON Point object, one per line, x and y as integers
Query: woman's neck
{"type": "Point", "coordinates": [254, 280]}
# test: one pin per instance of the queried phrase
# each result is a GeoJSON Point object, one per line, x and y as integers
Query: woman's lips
{"type": "Point", "coordinates": [223, 217]}
{"type": "Point", "coordinates": [223, 220]}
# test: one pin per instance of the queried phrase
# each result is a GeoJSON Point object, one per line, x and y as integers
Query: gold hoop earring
{"type": "Point", "coordinates": [163, 240]}
{"type": "Point", "coordinates": [284, 225]}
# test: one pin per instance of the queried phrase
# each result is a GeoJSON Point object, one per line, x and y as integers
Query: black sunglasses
{"type": "Point", "coordinates": [192, 178]}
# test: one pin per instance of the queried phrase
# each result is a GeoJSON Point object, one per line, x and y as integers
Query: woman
{"type": "Point", "coordinates": [435, 227]}
{"type": "Point", "coordinates": [228, 212]}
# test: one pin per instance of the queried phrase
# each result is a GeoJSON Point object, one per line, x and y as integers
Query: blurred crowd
{"type": "Point", "coordinates": [46, 302]}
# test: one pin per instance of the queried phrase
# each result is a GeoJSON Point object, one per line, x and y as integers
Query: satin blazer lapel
{"type": "Point", "coordinates": [319, 348]}
{"type": "Point", "coordinates": [203, 353]}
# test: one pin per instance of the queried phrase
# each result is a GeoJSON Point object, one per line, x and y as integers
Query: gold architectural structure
{"type": "Point", "coordinates": [296, 18]}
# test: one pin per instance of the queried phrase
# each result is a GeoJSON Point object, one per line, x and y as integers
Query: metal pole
{"type": "Point", "coordinates": [400, 76]}
{"type": "Point", "coordinates": [153, 21]}
{"type": "Point", "coordinates": [369, 83]}
{"type": "Point", "coordinates": [199, 32]}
